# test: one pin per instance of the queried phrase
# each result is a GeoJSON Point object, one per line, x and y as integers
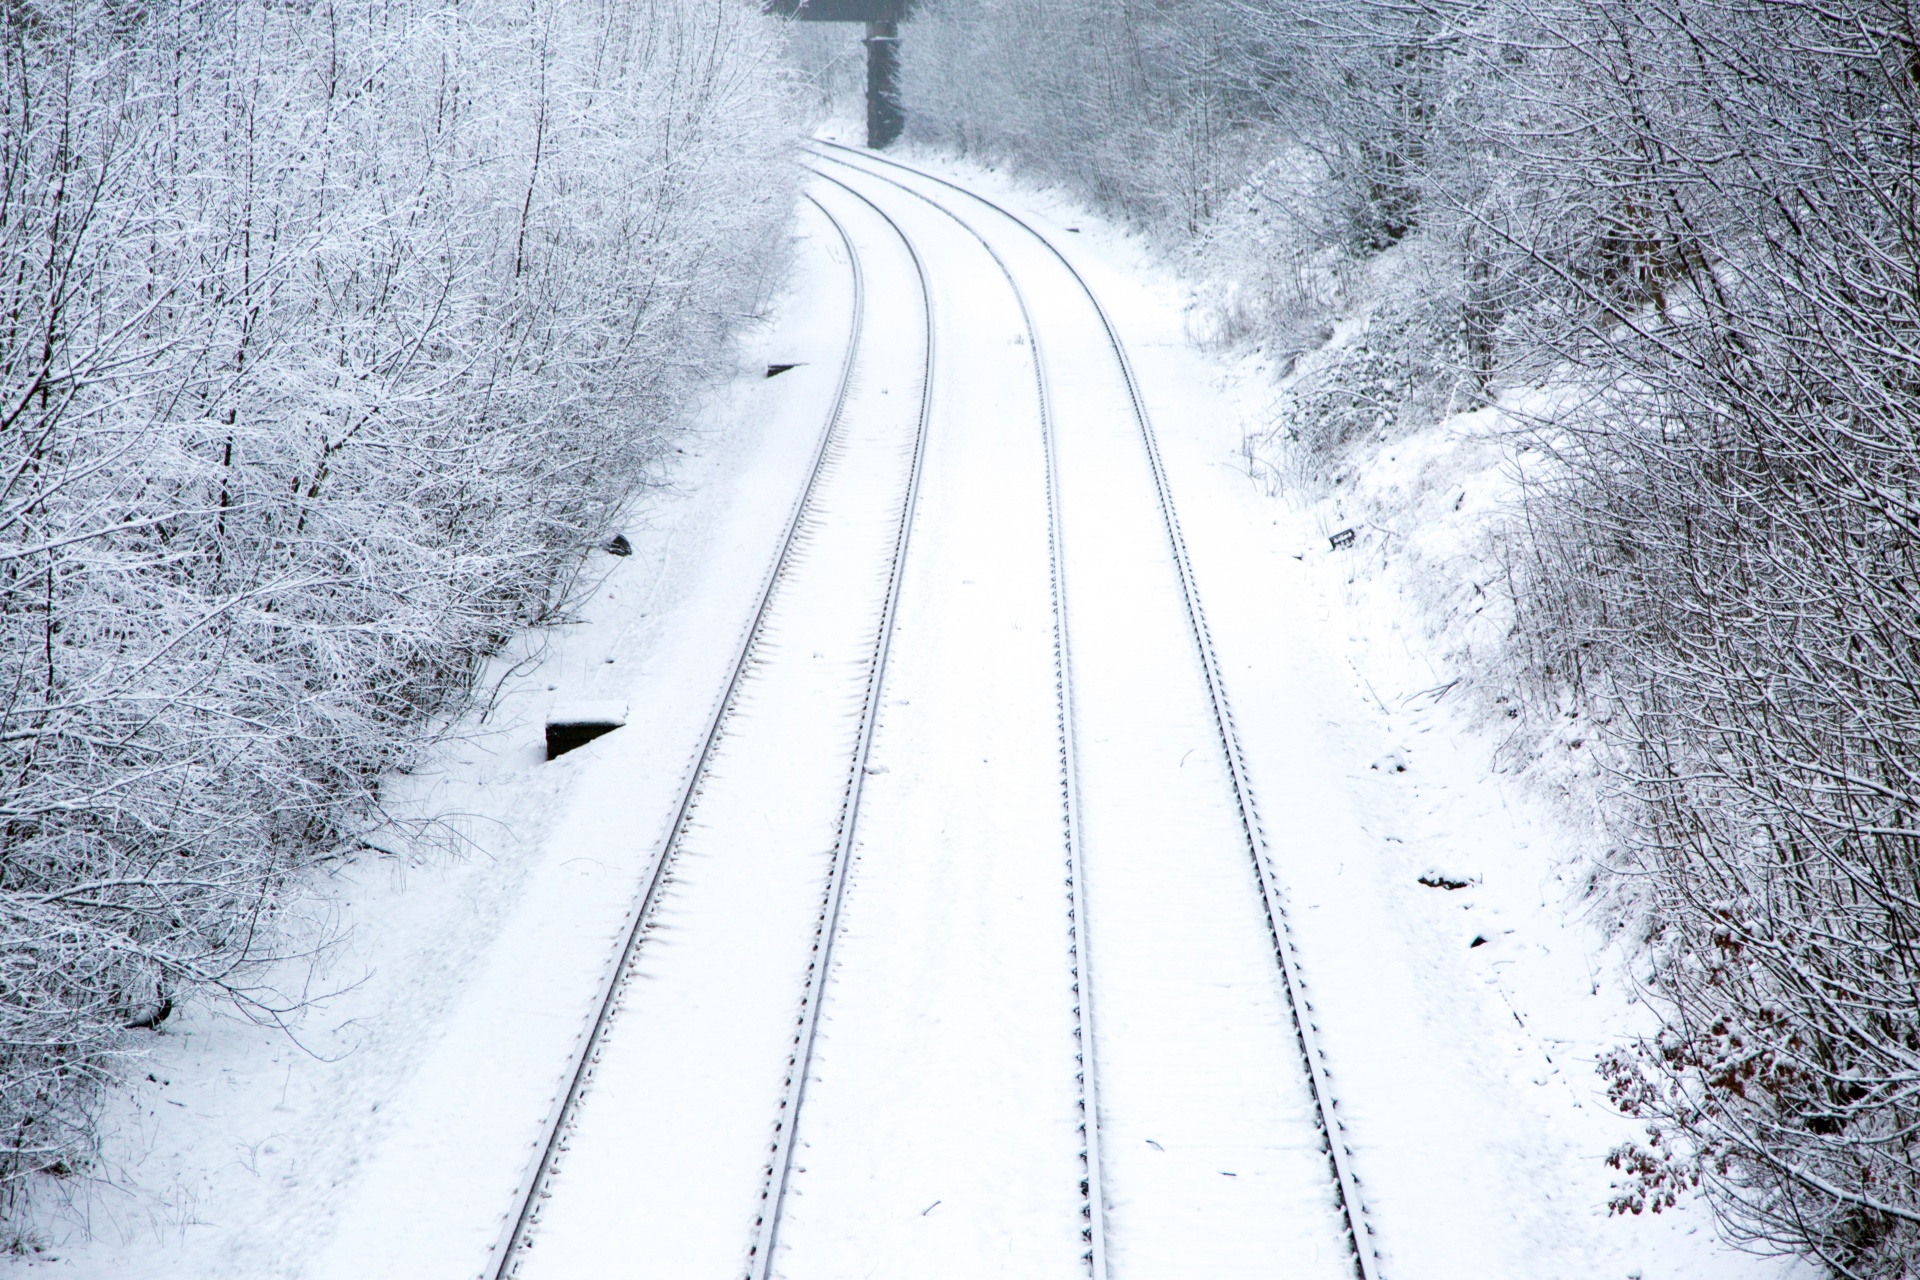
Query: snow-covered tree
{"type": "Point", "coordinates": [1699, 221]}
{"type": "Point", "coordinates": [332, 333]}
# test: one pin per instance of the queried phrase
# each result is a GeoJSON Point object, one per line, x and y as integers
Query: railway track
{"type": "Point", "coordinates": [836, 475]}
{"type": "Point", "coordinates": [1359, 1233]}
{"type": "Point", "coordinates": [1079, 951]}
{"type": "Point", "coordinates": [768, 650]}
{"type": "Point", "coordinates": [780, 1165]}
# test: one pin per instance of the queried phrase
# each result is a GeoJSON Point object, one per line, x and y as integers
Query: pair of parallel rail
{"type": "Point", "coordinates": [779, 1168]}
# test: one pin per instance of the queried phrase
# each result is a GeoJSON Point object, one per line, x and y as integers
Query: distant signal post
{"type": "Point", "coordinates": [884, 117]}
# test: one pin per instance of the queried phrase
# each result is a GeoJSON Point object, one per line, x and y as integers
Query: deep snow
{"type": "Point", "coordinates": [1464, 1072]}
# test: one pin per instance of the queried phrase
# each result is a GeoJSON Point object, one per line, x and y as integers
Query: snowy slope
{"type": "Point", "coordinates": [1465, 1071]}
{"type": "Point", "coordinates": [468, 966]}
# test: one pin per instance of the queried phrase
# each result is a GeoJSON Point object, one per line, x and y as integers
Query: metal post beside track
{"type": "Point", "coordinates": [885, 118]}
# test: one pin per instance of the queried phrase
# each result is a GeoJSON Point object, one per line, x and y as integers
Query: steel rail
{"type": "Point", "coordinates": [1359, 1231]}
{"type": "Point", "coordinates": [1079, 950]}
{"type": "Point", "coordinates": [780, 1161]}
{"type": "Point", "coordinates": [512, 1244]}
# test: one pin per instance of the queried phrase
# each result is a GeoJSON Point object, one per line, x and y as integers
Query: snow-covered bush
{"type": "Point", "coordinates": [1152, 111]}
{"type": "Point", "coordinates": [332, 334]}
{"type": "Point", "coordinates": [830, 61]}
{"type": "Point", "coordinates": [1692, 229]}
{"type": "Point", "coordinates": [1268, 271]}
{"type": "Point", "coordinates": [1274, 147]}
{"type": "Point", "coordinates": [1730, 556]}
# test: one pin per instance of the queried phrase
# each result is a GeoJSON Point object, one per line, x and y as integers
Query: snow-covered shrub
{"type": "Point", "coordinates": [332, 334]}
{"type": "Point", "coordinates": [1153, 112]}
{"type": "Point", "coordinates": [1729, 556]}
{"type": "Point", "coordinates": [1267, 270]}
{"type": "Point", "coordinates": [1692, 228]}
{"type": "Point", "coordinates": [1275, 147]}
{"type": "Point", "coordinates": [830, 62]}
{"type": "Point", "coordinates": [1398, 362]}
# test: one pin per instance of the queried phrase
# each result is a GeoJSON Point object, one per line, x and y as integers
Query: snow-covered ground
{"type": "Point", "coordinates": [1465, 1072]}
{"type": "Point", "coordinates": [468, 970]}
{"type": "Point", "coordinates": [1461, 1024]}
{"type": "Point", "coordinates": [663, 1160]}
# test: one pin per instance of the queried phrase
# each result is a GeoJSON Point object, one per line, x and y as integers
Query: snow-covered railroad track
{"type": "Point", "coordinates": [657, 1147]}
{"type": "Point", "coordinates": [993, 511]}
{"type": "Point", "coordinates": [1361, 1251]}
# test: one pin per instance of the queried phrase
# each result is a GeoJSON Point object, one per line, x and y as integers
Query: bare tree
{"type": "Point", "coordinates": [332, 335]}
{"type": "Point", "coordinates": [1696, 221]}
{"type": "Point", "coordinates": [1730, 559]}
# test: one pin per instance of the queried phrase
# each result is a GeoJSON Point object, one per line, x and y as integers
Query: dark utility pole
{"type": "Point", "coordinates": [884, 117]}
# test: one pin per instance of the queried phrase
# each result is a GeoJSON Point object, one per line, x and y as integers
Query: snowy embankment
{"type": "Point", "coordinates": [1441, 871]}
{"type": "Point", "coordinates": [445, 1016]}
{"type": "Point", "coordinates": [337, 338]}
{"type": "Point", "coordinates": [1465, 1071]}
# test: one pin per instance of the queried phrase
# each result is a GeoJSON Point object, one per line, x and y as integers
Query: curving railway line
{"type": "Point", "coordinates": [955, 1051]}
{"type": "Point", "coordinates": [799, 704]}
{"type": "Point", "coordinates": [1286, 952]}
